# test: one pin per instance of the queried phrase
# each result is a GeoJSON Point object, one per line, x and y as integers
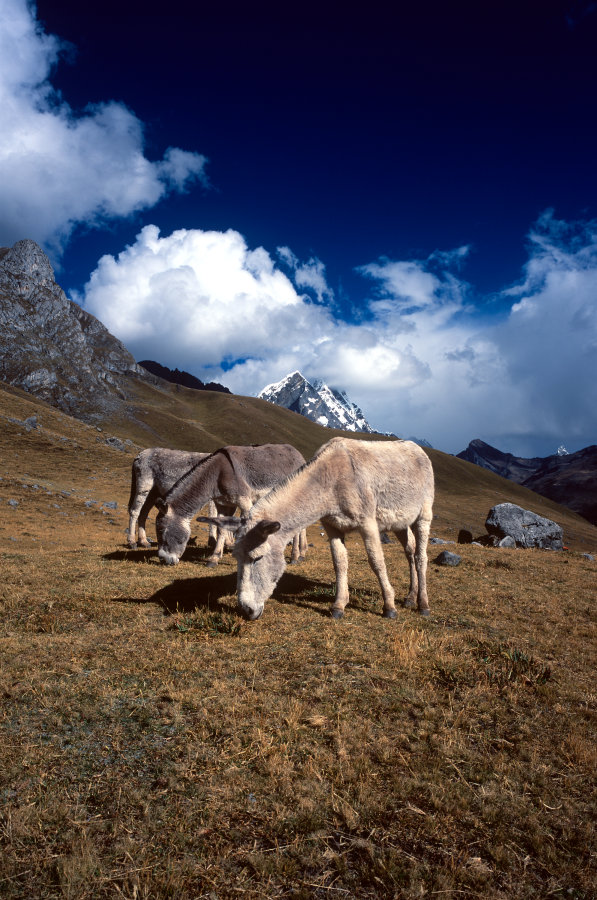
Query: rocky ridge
{"type": "Point", "coordinates": [317, 402]}
{"type": "Point", "coordinates": [50, 346]}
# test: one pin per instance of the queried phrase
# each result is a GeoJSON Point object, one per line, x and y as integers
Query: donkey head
{"type": "Point", "coordinates": [173, 533]}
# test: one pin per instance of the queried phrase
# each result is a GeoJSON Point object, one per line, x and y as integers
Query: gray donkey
{"type": "Point", "coordinates": [154, 472]}
{"type": "Point", "coordinates": [233, 476]}
{"type": "Point", "coordinates": [364, 486]}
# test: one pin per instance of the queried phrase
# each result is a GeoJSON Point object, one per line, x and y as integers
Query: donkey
{"type": "Point", "coordinates": [232, 476]}
{"type": "Point", "coordinates": [154, 472]}
{"type": "Point", "coordinates": [350, 485]}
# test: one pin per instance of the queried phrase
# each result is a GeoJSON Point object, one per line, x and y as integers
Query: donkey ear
{"type": "Point", "coordinates": [230, 523]}
{"type": "Point", "coordinates": [161, 504]}
{"type": "Point", "coordinates": [267, 527]}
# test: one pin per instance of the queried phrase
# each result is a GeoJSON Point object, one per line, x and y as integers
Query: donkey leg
{"type": "Point", "coordinates": [340, 560]}
{"type": "Point", "coordinates": [135, 508]}
{"type": "Point", "coordinates": [299, 547]}
{"type": "Point", "coordinates": [421, 529]}
{"type": "Point", "coordinates": [143, 540]}
{"type": "Point", "coordinates": [370, 534]}
{"type": "Point", "coordinates": [407, 539]}
{"type": "Point", "coordinates": [302, 544]}
{"type": "Point", "coordinates": [221, 537]}
{"type": "Point", "coordinates": [295, 553]}
{"type": "Point", "coordinates": [212, 539]}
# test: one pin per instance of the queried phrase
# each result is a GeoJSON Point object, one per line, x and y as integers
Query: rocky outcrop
{"type": "Point", "coordinates": [185, 379]}
{"type": "Point", "coordinates": [567, 478]}
{"type": "Point", "coordinates": [317, 402]}
{"type": "Point", "coordinates": [525, 528]}
{"type": "Point", "coordinates": [52, 347]}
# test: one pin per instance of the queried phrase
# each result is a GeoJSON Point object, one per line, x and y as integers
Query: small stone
{"type": "Point", "coordinates": [446, 558]}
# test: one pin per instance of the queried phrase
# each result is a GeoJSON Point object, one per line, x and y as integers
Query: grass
{"type": "Point", "coordinates": [154, 745]}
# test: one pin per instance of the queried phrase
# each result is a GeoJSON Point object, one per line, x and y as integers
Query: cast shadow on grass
{"type": "Point", "coordinates": [296, 590]}
{"type": "Point", "coordinates": [189, 594]}
{"type": "Point", "coordinates": [186, 595]}
{"type": "Point", "coordinates": [191, 554]}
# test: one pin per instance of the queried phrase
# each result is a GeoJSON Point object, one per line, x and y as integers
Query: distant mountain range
{"type": "Point", "coordinates": [567, 478]}
{"type": "Point", "coordinates": [317, 402]}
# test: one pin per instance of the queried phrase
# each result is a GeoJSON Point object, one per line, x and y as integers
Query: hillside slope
{"type": "Point", "coordinates": [60, 453]}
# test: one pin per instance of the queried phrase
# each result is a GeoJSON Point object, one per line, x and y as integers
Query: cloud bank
{"type": "Point", "coordinates": [424, 361]}
{"type": "Point", "coordinates": [60, 168]}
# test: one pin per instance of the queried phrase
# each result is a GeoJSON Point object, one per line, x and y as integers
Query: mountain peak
{"type": "Point", "coordinates": [316, 401]}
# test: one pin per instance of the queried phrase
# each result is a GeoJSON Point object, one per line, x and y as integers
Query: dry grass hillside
{"type": "Point", "coordinates": [154, 745]}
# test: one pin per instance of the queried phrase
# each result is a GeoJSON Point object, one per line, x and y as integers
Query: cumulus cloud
{"type": "Point", "coordinates": [309, 275]}
{"type": "Point", "coordinates": [60, 167]}
{"type": "Point", "coordinates": [424, 361]}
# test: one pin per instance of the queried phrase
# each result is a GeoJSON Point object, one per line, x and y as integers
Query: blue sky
{"type": "Point", "coordinates": [401, 201]}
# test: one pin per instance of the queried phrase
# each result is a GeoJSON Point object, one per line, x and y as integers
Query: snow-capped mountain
{"type": "Point", "coordinates": [317, 402]}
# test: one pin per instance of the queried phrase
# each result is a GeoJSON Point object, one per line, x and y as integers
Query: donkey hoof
{"type": "Point", "coordinates": [408, 603]}
{"type": "Point", "coordinates": [211, 564]}
{"type": "Point", "coordinates": [337, 613]}
{"type": "Point", "coordinates": [132, 545]}
{"type": "Point", "coordinates": [389, 614]}
{"type": "Point", "coordinates": [424, 612]}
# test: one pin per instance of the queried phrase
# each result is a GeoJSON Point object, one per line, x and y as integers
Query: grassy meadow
{"type": "Point", "coordinates": [155, 745]}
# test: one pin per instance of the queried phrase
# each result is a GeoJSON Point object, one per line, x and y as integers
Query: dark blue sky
{"type": "Point", "coordinates": [398, 199]}
{"type": "Point", "coordinates": [350, 133]}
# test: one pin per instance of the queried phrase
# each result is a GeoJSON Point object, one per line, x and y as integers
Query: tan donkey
{"type": "Point", "coordinates": [350, 485]}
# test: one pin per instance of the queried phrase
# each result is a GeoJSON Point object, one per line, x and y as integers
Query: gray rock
{"type": "Point", "coordinates": [116, 443]}
{"type": "Point", "coordinates": [528, 529]}
{"type": "Point", "coordinates": [13, 503]}
{"type": "Point", "coordinates": [446, 558]}
{"type": "Point", "coordinates": [52, 347]}
{"type": "Point", "coordinates": [507, 541]}
{"type": "Point", "coordinates": [589, 557]}
{"type": "Point", "coordinates": [110, 504]}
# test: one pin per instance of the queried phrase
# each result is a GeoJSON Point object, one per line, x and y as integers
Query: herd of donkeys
{"type": "Point", "coordinates": [371, 487]}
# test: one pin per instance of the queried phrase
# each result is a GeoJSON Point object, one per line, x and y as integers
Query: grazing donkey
{"type": "Point", "coordinates": [232, 476]}
{"type": "Point", "coordinates": [154, 472]}
{"type": "Point", "coordinates": [364, 486]}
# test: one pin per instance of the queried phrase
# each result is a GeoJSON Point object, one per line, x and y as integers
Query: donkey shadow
{"type": "Point", "coordinates": [185, 595]}
{"type": "Point", "coordinates": [138, 555]}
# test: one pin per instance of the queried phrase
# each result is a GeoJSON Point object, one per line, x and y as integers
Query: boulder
{"type": "Point", "coordinates": [528, 529]}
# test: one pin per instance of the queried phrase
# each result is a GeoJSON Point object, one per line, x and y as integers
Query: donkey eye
{"type": "Point", "coordinates": [256, 558]}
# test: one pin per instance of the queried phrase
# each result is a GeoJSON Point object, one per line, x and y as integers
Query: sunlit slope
{"type": "Point", "coordinates": [65, 454]}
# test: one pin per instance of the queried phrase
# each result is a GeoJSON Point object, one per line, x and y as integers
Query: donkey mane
{"type": "Point", "coordinates": [183, 478]}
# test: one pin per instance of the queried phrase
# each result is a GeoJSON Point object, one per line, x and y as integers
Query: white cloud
{"type": "Point", "coordinates": [198, 298]}
{"type": "Point", "coordinates": [60, 167]}
{"type": "Point", "coordinates": [309, 275]}
{"type": "Point", "coordinates": [424, 362]}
